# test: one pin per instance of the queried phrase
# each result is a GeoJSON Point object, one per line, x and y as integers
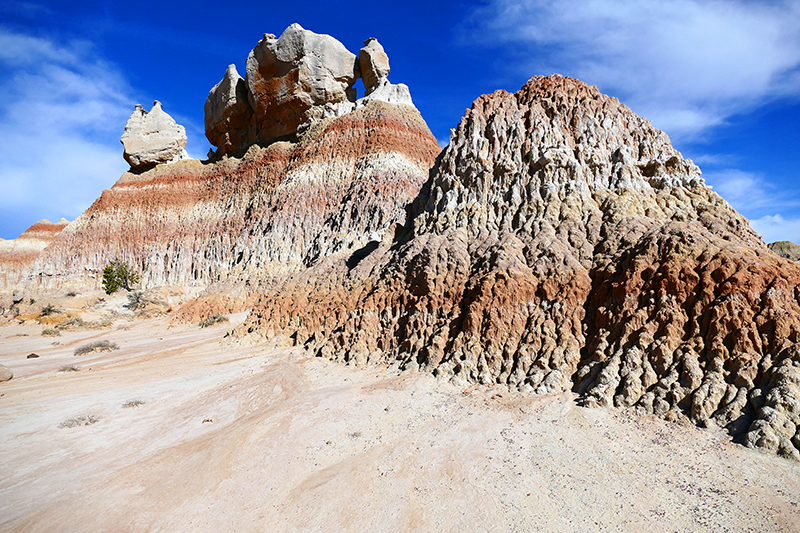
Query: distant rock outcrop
{"type": "Point", "coordinates": [152, 138]}
{"type": "Point", "coordinates": [292, 81]}
{"type": "Point", "coordinates": [229, 119]}
{"type": "Point", "coordinates": [562, 243]}
{"type": "Point", "coordinates": [786, 249]}
{"type": "Point", "coordinates": [18, 255]}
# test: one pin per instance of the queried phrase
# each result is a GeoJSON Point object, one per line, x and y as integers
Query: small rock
{"type": "Point", "coordinates": [32, 356]}
{"type": "Point", "coordinates": [5, 373]}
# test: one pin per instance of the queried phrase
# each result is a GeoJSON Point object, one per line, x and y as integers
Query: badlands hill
{"type": "Point", "coordinates": [558, 245]}
{"type": "Point", "coordinates": [561, 243]}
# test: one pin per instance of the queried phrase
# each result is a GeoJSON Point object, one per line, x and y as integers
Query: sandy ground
{"type": "Point", "coordinates": [269, 439]}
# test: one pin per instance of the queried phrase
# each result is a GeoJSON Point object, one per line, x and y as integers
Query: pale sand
{"type": "Point", "coordinates": [304, 444]}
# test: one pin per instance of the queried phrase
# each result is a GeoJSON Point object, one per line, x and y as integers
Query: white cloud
{"type": "Point", "coordinates": [61, 116]}
{"type": "Point", "coordinates": [685, 64]}
{"type": "Point", "coordinates": [774, 228]}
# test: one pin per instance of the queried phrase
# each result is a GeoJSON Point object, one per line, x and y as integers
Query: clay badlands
{"type": "Point", "coordinates": [551, 324]}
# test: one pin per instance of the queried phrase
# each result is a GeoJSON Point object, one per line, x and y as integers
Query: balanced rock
{"type": "Point", "coordinates": [5, 373]}
{"type": "Point", "coordinates": [152, 138]}
{"type": "Point", "coordinates": [374, 64]}
{"type": "Point", "coordinates": [786, 249]}
{"type": "Point", "coordinates": [296, 78]}
{"type": "Point", "coordinates": [561, 243]}
{"type": "Point", "coordinates": [228, 116]}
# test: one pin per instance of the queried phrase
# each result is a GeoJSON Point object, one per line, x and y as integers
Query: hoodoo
{"type": "Point", "coordinates": [268, 207]}
{"type": "Point", "coordinates": [562, 243]}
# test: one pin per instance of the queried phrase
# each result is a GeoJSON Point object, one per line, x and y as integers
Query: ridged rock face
{"type": "Point", "coordinates": [292, 79]}
{"type": "Point", "coordinates": [562, 243]}
{"type": "Point", "coordinates": [277, 209]}
{"type": "Point", "coordinates": [786, 249]}
{"type": "Point", "coordinates": [229, 121]}
{"type": "Point", "coordinates": [18, 255]}
{"type": "Point", "coordinates": [152, 138]}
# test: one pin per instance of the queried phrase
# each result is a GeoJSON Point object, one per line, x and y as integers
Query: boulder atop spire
{"type": "Point", "coordinates": [152, 138]}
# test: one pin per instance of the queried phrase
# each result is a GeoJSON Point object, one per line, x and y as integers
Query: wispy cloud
{"type": "Point", "coordinates": [685, 64]}
{"type": "Point", "coordinates": [61, 115]}
{"type": "Point", "coordinates": [776, 228]}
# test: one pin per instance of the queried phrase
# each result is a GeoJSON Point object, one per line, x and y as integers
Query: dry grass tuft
{"type": "Point", "coordinates": [213, 320]}
{"type": "Point", "coordinates": [83, 420]}
{"type": "Point", "coordinates": [50, 332]}
{"type": "Point", "coordinates": [96, 346]}
{"type": "Point", "coordinates": [133, 403]}
{"type": "Point", "coordinates": [69, 368]}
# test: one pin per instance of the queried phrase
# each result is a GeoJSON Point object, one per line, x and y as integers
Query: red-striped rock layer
{"type": "Point", "coordinates": [276, 209]}
{"type": "Point", "coordinates": [18, 255]}
{"type": "Point", "coordinates": [562, 243]}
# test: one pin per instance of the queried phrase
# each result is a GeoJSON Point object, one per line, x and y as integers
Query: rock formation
{"type": "Point", "coordinates": [374, 65]}
{"type": "Point", "coordinates": [786, 249]}
{"type": "Point", "coordinates": [18, 255]}
{"type": "Point", "coordinates": [294, 78]}
{"type": "Point", "coordinates": [276, 209]}
{"type": "Point", "coordinates": [291, 82]}
{"type": "Point", "coordinates": [152, 138]}
{"type": "Point", "coordinates": [562, 243]}
{"type": "Point", "coordinates": [229, 120]}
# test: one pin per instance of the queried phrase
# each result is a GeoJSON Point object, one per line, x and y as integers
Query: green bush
{"type": "Point", "coordinates": [118, 275]}
{"type": "Point", "coordinates": [49, 309]}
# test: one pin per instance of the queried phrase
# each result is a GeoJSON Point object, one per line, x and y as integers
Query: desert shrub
{"type": "Point", "coordinates": [50, 332]}
{"type": "Point", "coordinates": [69, 368]}
{"type": "Point", "coordinates": [83, 420]}
{"type": "Point", "coordinates": [213, 320]}
{"type": "Point", "coordinates": [132, 403]}
{"type": "Point", "coordinates": [71, 323]}
{"type": "Point", "coordinates": [32, 301]}
{"type": "Point", "coordinates": [96, 346]}
{"type": "Point", "coordinates": [136, 300]}
{"type": "Point", "coordinates": [48, 310]}
{"type": "Point", "coordinates": [118, 275]}
{"type": "Point", "coordinates": [71, 294]}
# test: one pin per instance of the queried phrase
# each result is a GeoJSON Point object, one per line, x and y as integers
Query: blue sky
{"type": "Point", "coordinates": [722, 78]}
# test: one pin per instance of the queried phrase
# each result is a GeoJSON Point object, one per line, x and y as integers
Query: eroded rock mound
{"type": "Point", "coordinates": [274, 210]}
{"type": "Point", "coordinates": [18, 255]}
{"type": "Point", "coordinates": [562, 243]}
{"type": "Point", "coordinates": [152, 138]}
{"type": "Point", "coordinates": [786, 249]}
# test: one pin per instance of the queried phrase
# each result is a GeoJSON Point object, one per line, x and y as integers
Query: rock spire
{"type": "Point", "coordinates": [292, 81]}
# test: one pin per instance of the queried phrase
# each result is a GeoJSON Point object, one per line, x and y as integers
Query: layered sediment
{"type": "Point", "coordinates": [562, 243]}
{"type": "Point", "coordinates": [276, 209]}
{"type": "Point", "coordinates": [17, 256]}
